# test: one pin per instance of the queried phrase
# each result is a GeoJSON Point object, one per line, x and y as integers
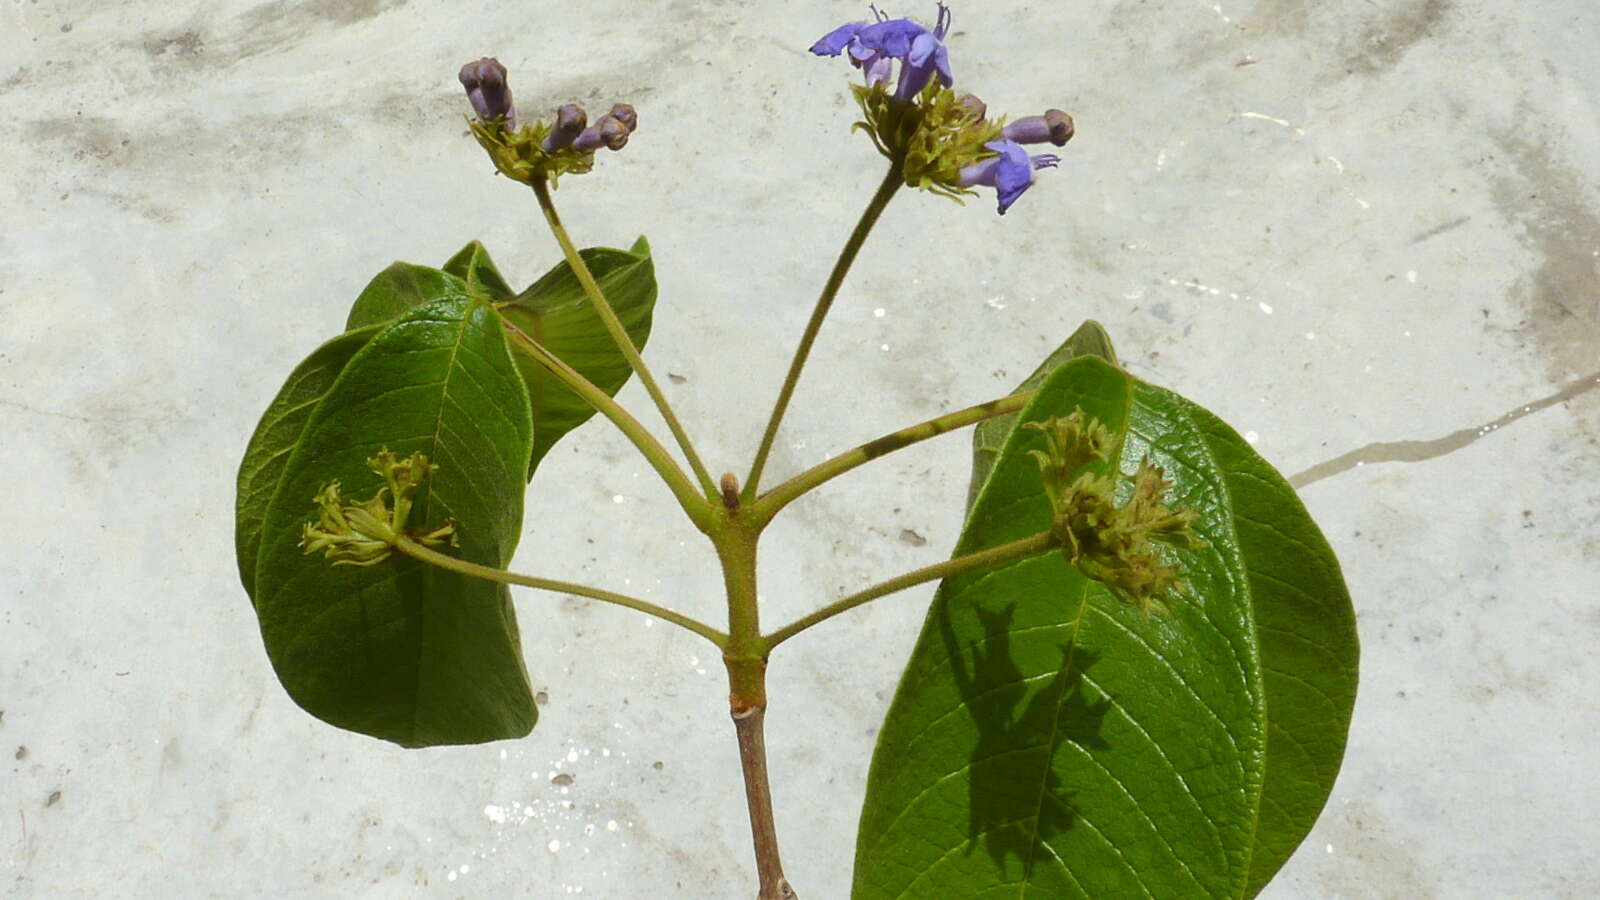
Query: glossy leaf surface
{"type": "Point", "coordinates": [1048, 741]}
{"type": "Point", "coordinates": [556, 313]}
{"type": "Point", "coordinates": [403, 651]}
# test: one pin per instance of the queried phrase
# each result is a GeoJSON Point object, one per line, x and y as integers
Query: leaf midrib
{"type": "Point", "coordinates": [1034, 838]}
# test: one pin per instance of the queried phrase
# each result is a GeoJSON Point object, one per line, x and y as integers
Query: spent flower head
{"type": "Point", "coordinates": [363, 533]}
{"type": "Point", "coordinates": [943, 141]}
{"type": "Point", "coordinates": [524, 151]}
{"type": "Point", "coordinates": [1111, 543]}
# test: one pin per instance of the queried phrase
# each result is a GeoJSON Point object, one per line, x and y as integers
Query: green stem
{"type": "Point", "coordinates": [693, 503]}
{"type": "Point", "coordinates": [619, 334]}
{"type": "Point", "coordinates": [776, 499]}
{"type": "Point", "coordinates": [432, 557]}
{"type": "Point", "coordinates": [892, 182]}
{"type": "Point", "coordinates": [971, 562]}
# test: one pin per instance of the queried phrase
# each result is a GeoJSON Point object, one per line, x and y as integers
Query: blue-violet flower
{"type": "Point", "coordinates": [873, 47]}
{"type": "Point", "coordinates": [1010, 173]}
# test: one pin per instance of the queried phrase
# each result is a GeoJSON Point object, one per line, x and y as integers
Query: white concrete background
{"type": "Point", "coordinates": [1336, 224]}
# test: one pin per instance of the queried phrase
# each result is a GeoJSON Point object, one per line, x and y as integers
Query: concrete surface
{"type": "Point", "coordinates": [1362, 233]}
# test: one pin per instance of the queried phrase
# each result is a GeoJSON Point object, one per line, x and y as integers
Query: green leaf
{"type": "Point", "coordinates": [556, 313]}
{"type": "Point", "coordinates": [400, 288]}
{"type": "Point", "coordinates": [276, 435]}
{"type": "Point", "coordinates": [1047, 740]}
{"type": "Point", "coordinates": [990, 435]}
{"type": "Point", "coordinates": [405, 651]}
{"type": "Point", "coordinates": [473, 265]}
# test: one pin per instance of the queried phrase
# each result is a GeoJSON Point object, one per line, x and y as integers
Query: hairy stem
{"type": "Point", "coordinates": [776, 499]}
{"type": "Point", "coordinates": [433, 557]}
{"type": "Point", "coordinates": [694, 504]}
{"type": "Point", "coordinates": [971, 562]}
{"type": "Point", "coordinates": [619, 334]}
{"type": "Point", "coordinates": [892, 182]}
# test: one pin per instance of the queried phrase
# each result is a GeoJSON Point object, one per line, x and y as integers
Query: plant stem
{"type": "Point", "coordinates": [776, 499]}
{"type": "Point", "coordinates": [541, 189]}
{"type": "Point", "coordinates": [694, 504]}
{"type": "Point", "coordinates": [433, 557]}
{"type": "Point", "coordinates": [971, 562]}
{"type": "Point", "coordinates": [735, 537]}
{"type": "Point", "coordinates": [747, 723]}
{"type": "Point", "coordinates": [892, 182]}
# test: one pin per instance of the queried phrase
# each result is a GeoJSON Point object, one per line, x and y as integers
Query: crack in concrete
{"type": "Point", "coordinates": [1417, 451]}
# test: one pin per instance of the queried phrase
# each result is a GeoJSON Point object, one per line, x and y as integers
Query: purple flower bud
{"type": "Point", "coordinates": [607, 131]}
{"type": "Point", "coordinates": [1054, 126]}
{"type": "Point", "coordinates": [485, 81]}
{"type": "Point", "coordinates": [626, 114]}
{"type": "Point", "coordinates": [975, 107]}
{"type": "Point", "coordinates": [1009, 174]}
{"type": "Point", "coordinates": [570, 120]}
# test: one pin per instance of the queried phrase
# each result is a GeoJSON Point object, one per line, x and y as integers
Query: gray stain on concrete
{"type": "Point", "coordinates": [1417, 451]}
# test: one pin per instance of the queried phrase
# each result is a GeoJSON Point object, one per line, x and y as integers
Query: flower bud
{"type": "Point", "coordinates": [570, 121]}
{"type": "Point", "coordinates": [485, 81]}
{"type": "Point", "coordinates": [1054, 126]}
{"type": "Point", "coordinates": [973, 105]}
{"type": "Point", "coordinates": [626, 114]}
{"type": "Point", "coordinates": [607, 132]}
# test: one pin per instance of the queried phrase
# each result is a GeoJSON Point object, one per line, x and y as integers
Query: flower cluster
{"type": "Point", "coordinates": [363, 533]}
{"type": "Point", "coordinates": [1113, 544]}
{"type": "Point", "coordinates": [943, 140]}
{"type": "Point", "coordinates": [540, 149]}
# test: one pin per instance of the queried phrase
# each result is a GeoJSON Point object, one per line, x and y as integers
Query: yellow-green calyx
{"type": "Point", "coordinates": [1112, 544]}
{"type": "Point", "coordinates": [935, 136]}
{"type": "Point", "coordinates": [518, 153]}
{"type": "Point", "coordinates": [363, 533]}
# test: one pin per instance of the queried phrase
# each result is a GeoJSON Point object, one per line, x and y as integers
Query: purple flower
{"type": "Point", "coordinates": [1009, 174]}
{"type": "Point", "coordinates": [874, 46]}
{"type": "Point", "coordinates": [926, 55]}
{"type": "Point", "coordinates": [485, 81]}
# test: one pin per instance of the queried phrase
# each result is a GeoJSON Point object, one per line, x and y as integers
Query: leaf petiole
{"type": "Point", "coordinates": [971, 562]}
{"type": "Point", "coordinates": [776, 499]}
{"type": "Point", "coordinates": [417, 551]}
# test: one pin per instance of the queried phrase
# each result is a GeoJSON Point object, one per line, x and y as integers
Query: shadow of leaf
{"type": "Point", "coordinates": [1017, 800]}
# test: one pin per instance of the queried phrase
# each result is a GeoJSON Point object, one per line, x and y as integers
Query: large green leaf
{"type": "Point", "coordinates": [473, 265]}
{"type": "Point", "coordinates": [556, 312]}
{"type": "Point", "coordinates": [1048, 741]}
{"type": "Point", "coordinates": [404, 651]}
{"type": "Point", "coordinates": [990, 435]}
{"type": "Point", "coordinates": [399, 289]}
{"type": "Point", "coordinates": [276, 435]}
